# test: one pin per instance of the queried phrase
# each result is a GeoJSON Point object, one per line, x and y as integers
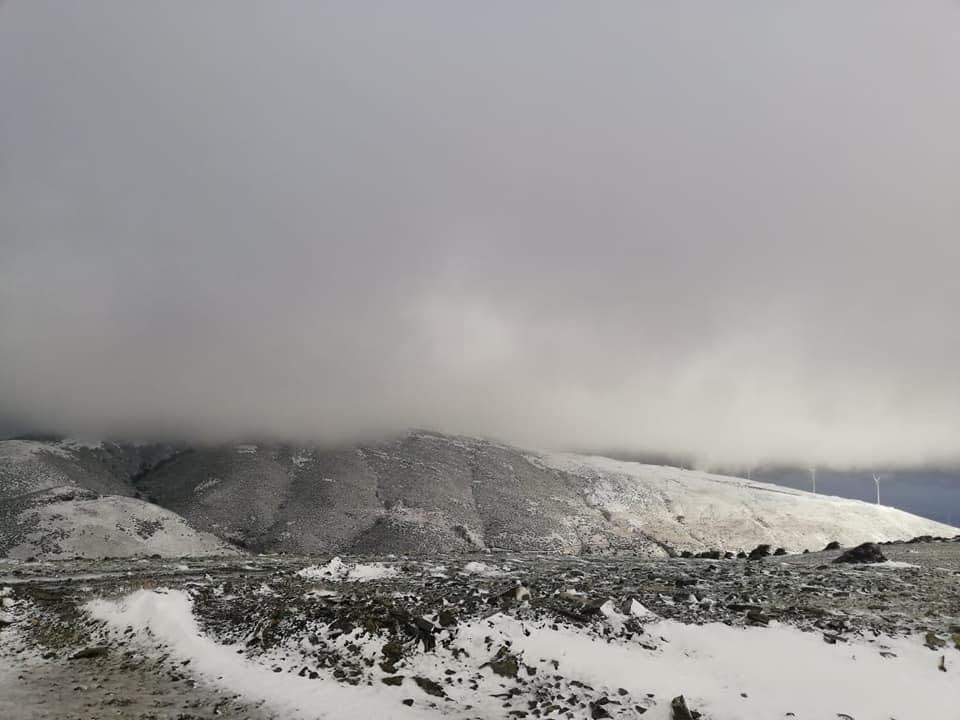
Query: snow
{"type": "Point", "coordinates": [727, 673]}
{"type": "Point", "coordinates": [693, 510]}
{"type": "Point", "coordinates": [780, 669]}
{"type": "Point", "coordinates": [168, 617]}
{"type": "Point", "coordinates": [338, 570]}
{"type": "Point", "coordinates": [475, 567]}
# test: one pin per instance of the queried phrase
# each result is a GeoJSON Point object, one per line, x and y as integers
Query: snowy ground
{"type": "Point", "coordinates": [737, 673]}
{"type": "Point", "coordinates": [497, 636]}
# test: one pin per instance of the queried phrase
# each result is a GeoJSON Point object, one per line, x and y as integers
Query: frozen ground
{"type": "Point", "coordinates": [492, 636]}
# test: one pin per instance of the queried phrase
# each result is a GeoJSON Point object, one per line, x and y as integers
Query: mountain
{"type": "Point", "coordinates": [64, 499]}
{"type": "Point", "coordinates": [421, 493]}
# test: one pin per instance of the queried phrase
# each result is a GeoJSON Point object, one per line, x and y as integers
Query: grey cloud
{"type": "Point", "coordinates": [716, 230]}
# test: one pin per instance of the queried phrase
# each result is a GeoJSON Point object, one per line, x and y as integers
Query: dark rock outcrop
{"type": "Point", "coordinates": [865, 553]}
{"type": "Point", "coordinates": [759, 552]}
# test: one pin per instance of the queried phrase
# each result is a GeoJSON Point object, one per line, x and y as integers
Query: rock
{"type": "Point", "coordinates": [516, 595]}
{"type": "Point", "coordinates": [394, 681]}
{"type": "Point", "coordinates": [446, 619]}
{"type": "Point", "coordinates": [759, 552]}
{"type": "Point", "coordinates": [505, 664]}
{"type": "Point", "coordinates": [780, 551]}
{"type": "Point", "coordinates": [679, 709]}
{"type": "Point", "coordinates": [597, 710]}
{"type": "Point", "coordinates": [865, 553]}
{"type": "Point", "coordinates": [429, 686]}
{"type": "Point", "coordinates": [392, 650]}
{"type": "Point", "coordinates": [93, 651]}
{"type": "Point", "coordinates": [832, 545]}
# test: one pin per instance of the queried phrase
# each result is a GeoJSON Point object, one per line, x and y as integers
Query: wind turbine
{"type": "Point", "coordinates": [876, 481]}
{"type": "Point", "coordinates": [813, 479]}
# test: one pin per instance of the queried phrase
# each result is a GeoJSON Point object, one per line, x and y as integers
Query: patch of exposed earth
{"type": "Point", "coordinates": [455, 636]}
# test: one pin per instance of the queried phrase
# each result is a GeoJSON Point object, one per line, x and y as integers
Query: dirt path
{"type": "Point", "coordinates": [127, 687]}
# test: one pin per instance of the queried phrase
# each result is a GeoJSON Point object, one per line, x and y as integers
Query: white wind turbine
{"type": "Point", "coordinates": [813, 478]}
{"type": "Point", "coordinates": [876, 481]}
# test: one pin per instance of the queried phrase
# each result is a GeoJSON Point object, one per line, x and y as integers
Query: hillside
{"type": "Point", "coordinates": [428, 493]}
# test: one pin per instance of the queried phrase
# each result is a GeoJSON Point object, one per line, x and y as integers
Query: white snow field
{"type": "Point", "coordinates": [724, 672]}
{"type": "Point", "coordinates": [693, 510]}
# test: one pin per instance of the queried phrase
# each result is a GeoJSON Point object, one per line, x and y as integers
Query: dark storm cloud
{"type": "Point", "coordinates": [725, 230]}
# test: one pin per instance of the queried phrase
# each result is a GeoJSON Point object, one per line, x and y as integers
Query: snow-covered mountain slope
{"type": "Point", "coordinates": [33, 466]}
{"type": "Point", "coordinates": [434, 493]}
{"type": "Point", "coordinates": [429, 493]}
{"type": "Point", "coordinates": [689, 509]}
{"type": "Point", "coordinates": [66, 523]}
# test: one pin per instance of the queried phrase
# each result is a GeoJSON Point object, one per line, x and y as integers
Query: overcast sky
{"type": "Point", "coordinates": [724, 229]}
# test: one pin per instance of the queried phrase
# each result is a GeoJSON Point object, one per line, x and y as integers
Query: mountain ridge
{"type": "Point", "coordinates": [427, 492]}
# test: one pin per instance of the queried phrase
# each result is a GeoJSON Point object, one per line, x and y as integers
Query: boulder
{"type": "Point", "coordinates": [759, 552]}
{"type": "Point", "coordinates": [865, 553]}
{"type": "Point", "coordinates": [680, 711]}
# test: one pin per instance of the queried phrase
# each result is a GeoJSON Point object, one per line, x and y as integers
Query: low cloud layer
{"type": "Point", "coordinates": [729, 232]}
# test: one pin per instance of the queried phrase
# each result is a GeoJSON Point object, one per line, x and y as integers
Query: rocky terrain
{"type": "Point", "coordinates": [438, 576]}
{"type": "Point", "coordinates": [489, 636]}
{"type": "Point", "coordinates": [421, 493]}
